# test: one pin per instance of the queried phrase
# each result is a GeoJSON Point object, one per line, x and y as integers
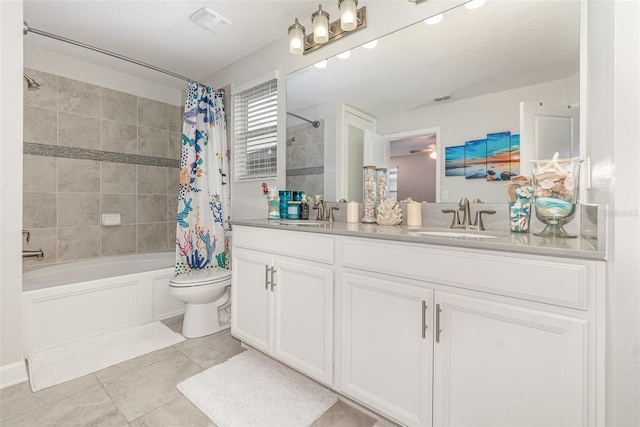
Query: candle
{"type": "Point", "coordinates": [414, 214]}
{"type": "Point", "coordinates": [352, 212]}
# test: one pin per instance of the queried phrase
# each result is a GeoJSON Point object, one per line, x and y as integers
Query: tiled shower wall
{"type": "Point", "coordinates": [305, 158]}
{"type": "Point", "coordinates": [89, 150]}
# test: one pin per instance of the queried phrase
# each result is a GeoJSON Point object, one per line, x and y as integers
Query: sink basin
{"type": "Point", "coordinates": [303, 223]}
{"type": "Point", "coordinates": [452, 233]}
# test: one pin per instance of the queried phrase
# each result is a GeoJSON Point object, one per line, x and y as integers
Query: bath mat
{"type": "Point", "coordinates": [251, 389]}
{"type": "Point", "coordinates": [57, 365]}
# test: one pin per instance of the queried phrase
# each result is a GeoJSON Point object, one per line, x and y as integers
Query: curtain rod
{"type": "Point", "coordinates": [315, 123]}
{"type": "Point", "coordinates": [26, 28]}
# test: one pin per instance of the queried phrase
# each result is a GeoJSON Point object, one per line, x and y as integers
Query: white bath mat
{"type": "Point", "coordinates": [57, 365]}
{"type": "Point", "coordinates": [251, 389]}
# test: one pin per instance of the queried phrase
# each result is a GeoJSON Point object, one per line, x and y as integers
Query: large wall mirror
{"type": "Point", "coordinates": [505, 67]}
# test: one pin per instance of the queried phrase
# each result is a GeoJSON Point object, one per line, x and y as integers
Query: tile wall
{"type": "Point", "coordinates": [305, 158]}
{"type": "Point", "coordinates": [89, 150]}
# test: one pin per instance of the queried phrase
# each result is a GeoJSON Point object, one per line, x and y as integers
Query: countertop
{"type": "Point", "coordinates": [505, 241]}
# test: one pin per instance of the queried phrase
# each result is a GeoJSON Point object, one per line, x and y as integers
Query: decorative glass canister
{"type": "Point", "coordinates": [369, 194]}
{"type": "Point", "coordinates": [520, 203]}
{"type": "Point", "coordinates": [381, 184]}
{"type": "Point", "coordinates": [285, 198]}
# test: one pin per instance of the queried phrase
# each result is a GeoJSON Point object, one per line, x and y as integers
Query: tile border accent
{"type": "Point", "coordinates": [99, 155]}
{"type": "Point", "coordinates": [316, 170]}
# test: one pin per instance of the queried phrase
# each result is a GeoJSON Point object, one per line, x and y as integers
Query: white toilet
{"type": "Point", "coordinates": [204, 292]}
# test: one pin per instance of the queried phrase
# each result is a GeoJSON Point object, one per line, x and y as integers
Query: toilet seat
{"type": "Point", "coordinates": [195, 278]}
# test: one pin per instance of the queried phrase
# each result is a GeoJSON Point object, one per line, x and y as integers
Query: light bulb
{"type": "Point", "coordinates": [348, 14]}
{"type": "Point", "coordinates": [320, 20]}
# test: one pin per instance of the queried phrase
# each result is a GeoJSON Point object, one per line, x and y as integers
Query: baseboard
{"type": "Point", "coordinates": [12, 374]}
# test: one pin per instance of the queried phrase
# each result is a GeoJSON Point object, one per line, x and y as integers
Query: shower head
{"type": "Point", "coordinates": [31, 84]}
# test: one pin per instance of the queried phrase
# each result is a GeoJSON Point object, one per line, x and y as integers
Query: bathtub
{"type": "Point", "coordinates": [62, 303]}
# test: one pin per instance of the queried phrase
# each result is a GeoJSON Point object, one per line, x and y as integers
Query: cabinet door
{"type": "Point", "coordinates": [502, 365]}
{"type": "Point", "coordinates": [251, 299]}
{"type": "Point", "coordinates": [303, 317]}
{"type": "Point", "coordinates": [387, 345]}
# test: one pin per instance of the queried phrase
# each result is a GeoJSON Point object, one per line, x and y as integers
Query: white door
{"type": "Point", "coordinates": [350, 152]}
{"type": "Point", "coordinates": [376, 150]}
{"type": "Point", "coordinates": [545, 129]}
{"type": "Point", "coordinates": [251, 298]}
{"type": "Point", "coordinates": [387, 344]}
{"type": "Point", "coordinates": [502, 365]}
{"type": "Point", "coordinates": [303, 318]}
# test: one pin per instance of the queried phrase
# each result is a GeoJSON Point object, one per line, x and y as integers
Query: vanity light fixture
{"type": "Point", "coordinates": [320, 20]}
{"type": "Point", "coordinates": [351, 20]}
{"type": "Point", "coordinates": [434, 19]}
{"type": "Point", "coordinates": [296, 38]}
{"type": "Point", "coordinates": [474, 4]}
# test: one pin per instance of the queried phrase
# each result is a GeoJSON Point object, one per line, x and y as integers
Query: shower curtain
{"type": "Point", "coordinates": [204, 205]}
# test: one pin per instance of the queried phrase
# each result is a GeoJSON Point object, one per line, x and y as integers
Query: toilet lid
{"type": "Point", "coordinates": [200, 277]}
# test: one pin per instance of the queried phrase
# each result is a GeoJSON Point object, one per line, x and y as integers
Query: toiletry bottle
{"type": "Point", "coordinates": [304, 210]}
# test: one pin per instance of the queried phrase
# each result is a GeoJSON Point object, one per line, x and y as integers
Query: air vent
{"type": "Point", "coordinates": [209, 20]}
{"type": "Point", "coordinates": [442, 98]}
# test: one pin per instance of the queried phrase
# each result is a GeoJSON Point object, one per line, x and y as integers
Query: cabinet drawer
{"type": "Point", "coordinates": [283, 242]}
{"type": "Point", "coordinates": [532, 277]}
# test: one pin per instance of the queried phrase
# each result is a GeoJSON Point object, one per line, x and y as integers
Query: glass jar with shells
{"type": "Point", "coordinates": [369, 194]}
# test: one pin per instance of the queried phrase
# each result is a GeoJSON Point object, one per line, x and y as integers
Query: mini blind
{"type": "Point", "coordinates": [255, 131]}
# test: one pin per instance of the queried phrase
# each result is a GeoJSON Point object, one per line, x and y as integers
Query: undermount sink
{"type": "Point", "coordinates": [302, 222]}
{"type": "Point", "coordinates": [451, 233]}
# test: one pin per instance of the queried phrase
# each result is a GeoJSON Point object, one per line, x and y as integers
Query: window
{"type": "Point", "coordinates": [255, 131]}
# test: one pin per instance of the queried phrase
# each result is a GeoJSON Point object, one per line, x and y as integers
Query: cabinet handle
{"type": "Point", "coordinates": [438, 323]}
{"type": "Point", "coordinates": [424, 319]}
{"type": "Point", "coordinates": [266, 277]}
{"type": "Point", "coordinates": [273, 281]}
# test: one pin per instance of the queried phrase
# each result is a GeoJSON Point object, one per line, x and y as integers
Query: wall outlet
{"type": "Point", "coordinates": [445, 195]}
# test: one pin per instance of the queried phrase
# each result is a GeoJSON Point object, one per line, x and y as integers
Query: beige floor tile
{"type": "Point", "coordinates": [174, 323]}
{"type": "Point", "coordinates": [133, 365]}
{"type": "Point", "coordinates": [19, 399]}
{"type": "Point", "coordinates": [91, 407]}
{"type": "Point", "coordinates": [211, 350]}
{"type": "Point", "coordinates": [150, 387]}
{"type": "Point", "coordinates": [343, 415]}
{"type": "Point", "coordinates": [178, 412]}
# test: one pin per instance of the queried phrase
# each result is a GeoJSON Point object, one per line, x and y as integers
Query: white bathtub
{"type": "Point", "coordinates": [66, 302]}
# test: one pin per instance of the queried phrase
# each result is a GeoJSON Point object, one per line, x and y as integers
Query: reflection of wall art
{"type": "Point", "coordinates": [498, 156]}
{"type": "Point", "coordinates": [475, 159]}
{"type": "Point", "coordinates": [454, 161]}
{"type": "Point", "coordinates": [514, 155]}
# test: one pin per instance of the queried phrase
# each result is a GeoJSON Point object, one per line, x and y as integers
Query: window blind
{"type": "Point", "coordinates": [255, 131]}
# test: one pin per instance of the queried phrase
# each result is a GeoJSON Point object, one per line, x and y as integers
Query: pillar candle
{"type": "Point", "coordinates": [352, 212]}
{"type": "Point", "coordinates": [414, 214]}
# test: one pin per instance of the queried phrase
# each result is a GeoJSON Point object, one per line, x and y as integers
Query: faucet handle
{"type": "Point", "coordinates": [478, 225]}
{"type": "Point", "coordinates": [456, 219]}
{"type": "Point", "coordinates": [27, 233]}
{"type": "Point", "coordinates": [333, 208]}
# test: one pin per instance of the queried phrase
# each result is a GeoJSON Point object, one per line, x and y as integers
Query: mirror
{"type": "Point", "coordinates": [488, 61]}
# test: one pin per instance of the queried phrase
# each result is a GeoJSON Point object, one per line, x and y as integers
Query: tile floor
{"type": "Point", "coordinates": [140, 392]}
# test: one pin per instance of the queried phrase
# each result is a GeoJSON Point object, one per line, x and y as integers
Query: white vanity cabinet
{"type": "Point", "coordinates": [283, 304]}
{"type": "Point", "coordinates": [387, 346]}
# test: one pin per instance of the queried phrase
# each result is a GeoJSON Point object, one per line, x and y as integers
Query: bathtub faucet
{"type": "Point", "coordinates": [33, 254]}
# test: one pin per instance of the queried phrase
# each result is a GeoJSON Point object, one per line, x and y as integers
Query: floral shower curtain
{"type": "Point", "coordinates": [204, 205]}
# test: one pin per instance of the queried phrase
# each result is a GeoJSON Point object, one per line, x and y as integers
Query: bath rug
{"type": "Point", "coordinates": [70, 361]}
{"type": "Point", "coordinates": [251, 389]}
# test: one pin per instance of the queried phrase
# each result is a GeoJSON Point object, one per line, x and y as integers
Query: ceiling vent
{"type": "Point", "coordinates": [442, 98]}
{"type": "Point", "coordinates": [209, 20]}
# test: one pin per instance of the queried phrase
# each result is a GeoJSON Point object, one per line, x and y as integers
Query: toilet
{"type": "Point", "coordinates": [204, 292]}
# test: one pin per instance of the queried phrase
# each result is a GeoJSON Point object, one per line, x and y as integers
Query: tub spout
{"type": "Point", "coordinates": [33, 254]}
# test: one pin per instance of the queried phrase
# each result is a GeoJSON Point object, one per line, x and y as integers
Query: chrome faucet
{"type": "Point", "coordinates": [464, 206]}
{"type": "Point", "coordinates": [31, 254]}
{"type": "Point", "coordinates": [324, 214]}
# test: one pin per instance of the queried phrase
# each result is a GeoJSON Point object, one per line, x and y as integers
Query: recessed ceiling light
{"type": "Point", "coordinates": [344, 55]}
{"type": "Point", "coordinates": [434, 19]}
{"type": "Point", "coordinates": [474, 4]}
{"type": "Point", "coordinates": [321, 64]}
{"type": "Point", "coordinates": [209, 20]}
{"type": "Point", "coordinates": [371, 44]}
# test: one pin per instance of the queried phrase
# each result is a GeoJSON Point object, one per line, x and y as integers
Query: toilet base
{"type": "Point", "coordinates": [201, 320]}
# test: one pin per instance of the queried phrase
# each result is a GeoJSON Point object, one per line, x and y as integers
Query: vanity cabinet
{"type": "Point", "coordinates": [283, 305]}
{"type": "Point", "coordinates": [387, 346]}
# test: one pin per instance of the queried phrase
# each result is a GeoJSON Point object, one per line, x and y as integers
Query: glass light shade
{"type": "Point", "coordinates": [296, 39]}
{"type": "Point", "coordinates": [348, 15]}
{"type": "Point", "coordinates": [321, 64]}
{"type": "Point", "coordinates": [474, 4]}
{"type": "Point", "coordinates": [372, 44]}
{"type": "Point", "coordinates": [344, 55]}
{"type": "Point", "coordinates": [434, 19]}
{"type": "Point", "coordinates": [320, 21]}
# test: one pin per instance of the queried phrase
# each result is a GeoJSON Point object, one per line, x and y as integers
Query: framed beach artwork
{"type": "Point", "coordinates": [499, 156]}
{"type": "Point", "coordinates": [514, 155]}
{"type": "Point", "coordinates": [454, 161]}
{"type": "Point", "coordinates": [475, 159]}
